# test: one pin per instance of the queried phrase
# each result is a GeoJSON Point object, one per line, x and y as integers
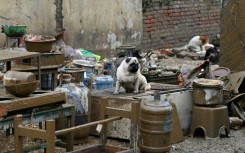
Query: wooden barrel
{"type": "Point", "coordinates": [155, 128]}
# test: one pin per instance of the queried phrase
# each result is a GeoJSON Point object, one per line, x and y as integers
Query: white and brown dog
{"type": "Point", "coordinates": [130, 78]}
{"type": "Point", "coordinates": [196, 43]}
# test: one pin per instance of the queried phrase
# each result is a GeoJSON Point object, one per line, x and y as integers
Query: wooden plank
{"type": "Point", "coordinates": [34, 100]}
{"type": "Point", "coordinates": [21, 131]}
{"type": "Point", "coordinates": [63, 131]}
{"type": "Point", "coordinates": [99, 148]}
{"type": "Point", "coordinates": [11, 54]}
{"type": "Point", "coordinates": [31, 132]}
{"type": "Point", "coordinates": [32, 68]}
{"type": "Point", "coordinates": [117, 112]}
{"type": "Point", "coordinates": [66, 110]}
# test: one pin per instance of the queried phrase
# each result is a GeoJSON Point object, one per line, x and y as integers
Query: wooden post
{"type": "Point", "coordinates": [135, 108]}
{"type": "Point", "coordinates": [39, 70]}
{"type": "Point", "coordinates": [18, 145]}
{"type": "Point", "coordinates": [50, 136]}
{"type": "Point", "coordinates": [21, 131]}
{"type": "Point", "coordinates": [70, 136]}
{"type": "Point", "coordinates": [103, 133]}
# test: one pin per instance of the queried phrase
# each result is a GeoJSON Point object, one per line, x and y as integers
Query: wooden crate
{"type": "Point", "coordinates": [48, 59]}
{"type": "Point", "coordinates": [119, 129]}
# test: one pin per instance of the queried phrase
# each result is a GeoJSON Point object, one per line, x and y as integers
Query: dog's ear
{"type": "Point", "coordinates": [128, 60]}
{"type": "Point", "coordinates": [203, 39]}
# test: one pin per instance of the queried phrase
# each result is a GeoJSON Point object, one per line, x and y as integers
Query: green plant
{"type": "Point", "coordinates": [149, 3]}
{"type": "Point", "coordinates": [146, 4]}
{"type": "Point", "coordinates": [164, 2]}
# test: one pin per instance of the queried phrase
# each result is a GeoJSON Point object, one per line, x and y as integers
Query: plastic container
{"type": "Point", "coordinates": [155, 126]}
{"type": "Point", "coordinates": [221, 71]}
{"type": "Point", "coordinates": [86, 77]}
{"type": "Point", "coordinates": [14, 30]}
{"type": "Point", "coordinates": [103, 82]}
{"type": "Point", "coordinates": [46, 81]}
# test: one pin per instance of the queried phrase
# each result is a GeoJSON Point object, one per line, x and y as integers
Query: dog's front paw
{"type": "Point", "coordinates": [136, 92]}
{"type": "Point", "coordinates": [116, 93]}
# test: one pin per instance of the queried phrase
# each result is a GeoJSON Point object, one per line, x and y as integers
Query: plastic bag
{"type": "Point", "coordinates": [89, 54]}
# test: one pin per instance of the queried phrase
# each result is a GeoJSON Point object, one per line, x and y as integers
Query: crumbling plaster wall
{"type": "Point", "coordinates": [38, 15]}
{"type": "Point", "coordinates": [101, 25]}
{"type": "Point", "coordinates": [97, 25]}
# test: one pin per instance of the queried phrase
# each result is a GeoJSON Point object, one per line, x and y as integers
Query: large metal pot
{"type": "Point", "coordinates": [208, 92]}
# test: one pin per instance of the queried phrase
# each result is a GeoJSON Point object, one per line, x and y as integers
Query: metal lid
{"type": "Point", "coordinates": [85, 63]}
{"type": "Point", "coordinates": [71, 70]}
{"type": "Point", "coordinates": [157, 103]}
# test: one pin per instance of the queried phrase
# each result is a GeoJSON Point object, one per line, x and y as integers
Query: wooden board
{"type": "Point", "coordinates": [11, 54]}
{"type": "Point", "coordinates": [100, 148]}
{"type": "Point", "coordinates": [232, 39]}
{"type": "Point", "coordinates": [34, 100]}
{"type": "Point", "coordinates": [119, 129]}
{"type": "Point", "coordinates": [47, 59]}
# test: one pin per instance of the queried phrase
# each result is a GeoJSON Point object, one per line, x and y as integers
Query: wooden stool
{"type": "Point", "coordinates": [212, 120]}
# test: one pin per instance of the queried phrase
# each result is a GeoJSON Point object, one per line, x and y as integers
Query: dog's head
{"type": "Point", "coordinates": [132, 64]}
{"type": "Point", "coordinates": [203, 39]}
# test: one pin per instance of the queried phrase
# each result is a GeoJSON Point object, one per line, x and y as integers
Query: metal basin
{"type": "Point", "coordinates": [207, 92]}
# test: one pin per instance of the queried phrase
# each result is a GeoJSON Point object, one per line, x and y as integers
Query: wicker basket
{"type": "Point", "coordinates": [40, 46]}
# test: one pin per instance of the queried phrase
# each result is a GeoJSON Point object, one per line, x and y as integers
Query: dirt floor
{"type": "Point", "coordinates": [232, 144]}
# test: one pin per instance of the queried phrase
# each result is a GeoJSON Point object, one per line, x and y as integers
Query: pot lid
{"type": "Point", "coordinates": [157, 103]}
{"type": "Point", "coordinates": [84, 63]}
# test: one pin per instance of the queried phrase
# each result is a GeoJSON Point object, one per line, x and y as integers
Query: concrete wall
{"type": "Point", "coordinates": [101, 25]}
{"type": "Point", "coordinates": [38, 15]}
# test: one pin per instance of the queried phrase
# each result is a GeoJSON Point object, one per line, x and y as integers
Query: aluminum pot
{"type": "Point", "coordinates": [207, 92]}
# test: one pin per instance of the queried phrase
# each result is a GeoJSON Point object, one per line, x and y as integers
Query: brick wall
{"type": "Point", "coordinates": [173, 24]}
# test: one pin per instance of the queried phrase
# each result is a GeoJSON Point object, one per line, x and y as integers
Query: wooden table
{"type": "Point", "coordinates": [53, 69]}
{"type": "Point", "coordinates": [10, 54]}
{"type": "Point", "coordinates": [37, 108]}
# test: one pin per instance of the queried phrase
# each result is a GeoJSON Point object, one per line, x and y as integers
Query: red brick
{"type": "Point", "coordinates": [149, 17]}
{"type": "Point", "coordinates": [147, 21]}
{"type": "Point", "coordinates": [154, 20]}
{"type": "Point", "coordinates": [148, 29]}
